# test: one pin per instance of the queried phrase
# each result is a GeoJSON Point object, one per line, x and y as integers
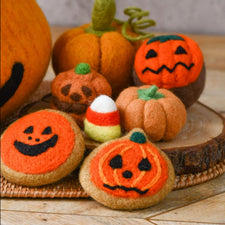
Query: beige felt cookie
{"type": "Point", "coordinates": [127, 173]}
{"type": "Point", "coordinates": [41, 148]}
{"type": "Point", "coordinates": [157, 111]}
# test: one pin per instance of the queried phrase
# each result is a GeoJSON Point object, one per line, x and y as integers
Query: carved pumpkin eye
{"type": "Point", "coordinates": [87, 91]}
{"type": "Point", "coordinates": [180, 50]}
{"type": "Point", "coordinates": [47, 130]}
{"type": "Point", "coordinates": [116, 162]}
{"type": "Point", "coordinates": [29, 130]}
{"type": "Point", "coordinates": [65, 90]}
{"type": "Point", "coordinates": [144, 165]}
{"type": "Point", "coordinates": [75, 97]}
{"type": "Point", "coordinates": [151, 54]}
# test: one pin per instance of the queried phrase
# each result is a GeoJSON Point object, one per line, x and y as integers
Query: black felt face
{"type": "Point", "coordinates": [117, 163]}
{"type": "Point", "coordinates": [10, 87]}
{"type": "Point", "coordinates": [77, 107]}
{"type": "Point", "coordinates": [153, 54]}
{"type": "Point", "coordinates": [39, 148]}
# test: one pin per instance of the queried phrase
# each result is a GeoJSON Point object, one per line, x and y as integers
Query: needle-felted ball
{"type": "Point", "coordinates": [74, 90]}
{"type": "Point", "coordinates": [25, 52]}
{"type": "Point", "coordinates": [41, 148]}
{"type": "Point", "coordinates": [102, 121]}
{"type": "Point", "coordinates": [157, 111]}
{"type": "Point", "coordinates": [174, 62]}
{"type": "Point", "coordinates": [127, 173]}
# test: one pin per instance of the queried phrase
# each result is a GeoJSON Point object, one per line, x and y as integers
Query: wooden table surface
{"type": "Point", "coordinates": [200, 204]}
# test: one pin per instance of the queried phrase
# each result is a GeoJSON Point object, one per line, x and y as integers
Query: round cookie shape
{"type": "Point", "coordinates": [74, 90]}
{"type": "Point", "coordinates": [156, 110]}
{"type": "Point", "coordinates": [174, 62]}
{"type": "Point", "coordinates": [41, 148]}
{"type": "Point", "coordinates": [127, 173]}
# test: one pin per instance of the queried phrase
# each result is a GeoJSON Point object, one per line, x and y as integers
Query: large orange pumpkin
{"type": "Point", "coordinates": [174, 62]}
{"type": "Point", "coordinates": [25, 52]}
{"type": "Point", "coordinates": [101, 45]}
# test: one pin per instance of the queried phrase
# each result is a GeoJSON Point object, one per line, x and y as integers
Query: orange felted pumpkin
{"type": "Point", "coordinates": [158, 111]}
{"type": "Point", "coordinates": [101, 45]}
{"type": "Point", "coordinates": [174, 62]}
{"type": "Point", "coordinates": [127, 173]}
{"type": "Point", "coordinates": [25, 52]}
{"type": "Point", "coordinates": [74, 90]}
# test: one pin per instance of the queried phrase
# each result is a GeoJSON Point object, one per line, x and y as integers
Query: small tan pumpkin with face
{"type": "Point", "coordinates": [74, 90]}
{"type": "Point", "coordinates": [157, 111]}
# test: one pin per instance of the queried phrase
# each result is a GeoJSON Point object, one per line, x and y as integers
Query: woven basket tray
{"type": "Point", "coordinates": [69, 187]}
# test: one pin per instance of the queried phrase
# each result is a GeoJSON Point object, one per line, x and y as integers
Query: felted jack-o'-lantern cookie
{"type": "Point", "coordinates": [41, 148]}
{"type": "Point", "coordinates": [74, 90]}
{"type": "Point", "coordinates": [174, 62]}
{"type": "Point", "coordinates": [127, 173]}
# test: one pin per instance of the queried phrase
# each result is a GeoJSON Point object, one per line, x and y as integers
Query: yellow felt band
{"type": "Point", "coordinates": [101, 133]}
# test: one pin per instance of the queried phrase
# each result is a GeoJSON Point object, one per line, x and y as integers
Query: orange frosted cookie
{"type": "Point", "coordinates": [127, 173]}
{"type": "Point", "coordinates": [41, 148]}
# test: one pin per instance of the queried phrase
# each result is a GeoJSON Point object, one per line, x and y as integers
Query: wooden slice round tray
{"type": "Point", "coordinates": [197, 153]}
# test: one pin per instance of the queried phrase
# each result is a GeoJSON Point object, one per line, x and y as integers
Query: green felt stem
{"type": "Point", "coordinates": [82, 69]}
{"type": "Point", "coordinates": [138, 137]}
{"type": "Point", "coordinates": [136, 14]}
{"type": "Point", "coordinates": [102, 16]}
{"type": "Point", "coordinates": [150, 93]}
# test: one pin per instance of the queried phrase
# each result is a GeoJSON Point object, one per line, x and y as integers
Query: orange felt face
{"type": "Point", "coordinates": [128, 169]}
{"type": "Point", "coordinates": [169, 61]}
{"type": "Point", "coordinates": [36, 144]}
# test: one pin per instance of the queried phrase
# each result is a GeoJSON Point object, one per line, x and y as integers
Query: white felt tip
{"type": "Point", "coordinates": [103, 104]}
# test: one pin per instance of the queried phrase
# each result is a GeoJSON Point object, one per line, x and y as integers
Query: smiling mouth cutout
{"type": "Point", "coordinates": [10, 87]}
{"type": "Point", "coordinates": [34, 150]}
{"type": "Point", "coordinates": [76, 108]}
{"type": "Point", "coordinates": [168, 69]}
{"type": "Point", "coordinates": [126, 188]}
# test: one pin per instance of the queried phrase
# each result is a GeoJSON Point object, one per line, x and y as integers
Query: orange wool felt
{"type": "Point", "coordinates": [103, 119]}
{"type": "Point", "coordinates": [168, 61]}
{"type": "Point", "coordinates": [37, 143]}
{"type": "Point", "coordinates": [129, 170]}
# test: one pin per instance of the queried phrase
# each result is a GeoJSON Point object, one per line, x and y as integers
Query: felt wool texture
{"type": "Point", "coordinates": [25, 52]}
{"type": "Point", "coordinates": [101, 133]}
{"type": "Point", "coordinates": [73, 92]}
{"type": "Point", "coordinates": [41, 148]}
{"type": "Point", "coordinates": [114, 177]}
{"type": "Point", "coordinates": [103, 104]}
{"type": "Point", "coordinates": [168, 61]}
{"type": "Point", "coordinates": [102, 121]}
{"type": "Point", "coordinates": [111, 55]}
{"type": "Point", "coordinates": [160, 118]}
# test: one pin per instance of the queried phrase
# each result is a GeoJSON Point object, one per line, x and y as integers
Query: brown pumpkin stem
{"type": "Point", "coordinates": [102, 16]}
{"type": "Point", "coordinates": [150, 93]}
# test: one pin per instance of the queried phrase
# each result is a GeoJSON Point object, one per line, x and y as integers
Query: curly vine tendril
{"type": "Point", "coordinates": [136, 23]}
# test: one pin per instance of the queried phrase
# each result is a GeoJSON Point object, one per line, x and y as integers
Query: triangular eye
{"type": "Point", "coordinates": [180, 50]}
{"type": "Point", "coordinates": [66, 89]}
{"type": "Point", "coordinates": [47, 130]}
{"type": "Point", "coordinates": [29, 130]}
{"type": "Point", "coordinates": [151, 54]}
{"type": "Point", "coordinates": [144, 165]}
{"type": "Point", "coordinates": [116, 162]}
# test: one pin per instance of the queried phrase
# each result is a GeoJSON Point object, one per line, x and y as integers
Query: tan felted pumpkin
{"type": "Point", "coordinates": [25, 52]}
{"type": "Point", "coordinates": [101, 44]}
{"type": "Point", "coordinates": [157, 111]}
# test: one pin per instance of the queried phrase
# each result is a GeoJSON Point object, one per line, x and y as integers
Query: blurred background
{"type": "Point", "coordinates": [181, 16]}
